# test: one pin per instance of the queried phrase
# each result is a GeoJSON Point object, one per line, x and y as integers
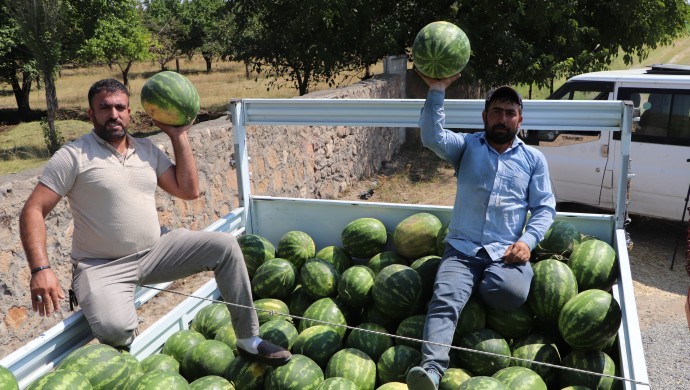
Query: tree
{"type": "Point", "coordinates": [167, 27]}
{"type": "Point", "coordinates": [16, 61]}
{"type": "Point", "coordinates": [209, 22]}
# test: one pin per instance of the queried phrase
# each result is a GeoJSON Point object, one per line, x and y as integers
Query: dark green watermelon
{"type": "Point", "coordinates": [101, 364]}
{"type": "Point", "coordinates": [520, 378]}
{"type": "Point", "coordinates": [396, 290]}
{"type": "Point", "coordinates": [364, 237]}
{"type": "Point", "coordinates": [170, 98]}
{"type": "Point", "coordinates": [337, 256]}
{"type": "Point", "coordinates": [384, 259]}
{"type": "Point", "coordinates": [210, 318]}
{"type": "Point", "coordinates": [256, 250]}
{"type": "Point", "coordinates": [160, 362]}
{"type": "Point", "coordinates": [440, 49]}
{"type": "Point", "coordinates": [279, 332]}
{"type": "Point", "coordinates": [319, 343]}
{"type": "Point", "coordinates": [373, 344]}
{"type": "Point", "coordinates": [212, 382]}
{"type": "Point", "coordinates": [300, 373]}
{"type": "Point", "coordinates": [275, 278]}
{"type": "Point", "coordinates": [296, 246]}
{"type": "Point", "coordinates": [355, 285]}
{"type": "Point", "coordinates": [592, 361]}
{"type": "Point", "coordinates": [488, 341]}
{"type": "Point", "coordinates": [180, 342]}
{"type": "Point", "coordinates": [354, 365]}
{"type": "Point", "coordinates": [552, 286]}
{"type": "Point", "coordinates": [593, 263]}
{"type": "Point", "coordinates": [319, 278]}
{"type": "Point", "coordinates": [590, 320]}
{"type": "Point", "coordinates": [209, 357]}
{"type": "Point", "coordinates": [483, 383]}
{"type": "Point", "coordinates": [160, 380]}
{"type": "Point", "coordinates": [395, 362]}
{"type": "Point", "coordinates": [537, 347]}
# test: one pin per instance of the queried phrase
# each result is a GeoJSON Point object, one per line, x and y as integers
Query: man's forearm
{"type": "Point", "coordinates": [185, 166]}
{"type": "Point", "coordinates": [32, 230]}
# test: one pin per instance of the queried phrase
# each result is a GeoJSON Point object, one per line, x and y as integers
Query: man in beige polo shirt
{"type": "Point", "coordinates": [110, 179]}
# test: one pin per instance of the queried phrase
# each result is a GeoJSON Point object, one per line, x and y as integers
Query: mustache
{"type": "Point", "coordinates": [499, 127]}
{"type": "Point", "coordinates": [114, 121]}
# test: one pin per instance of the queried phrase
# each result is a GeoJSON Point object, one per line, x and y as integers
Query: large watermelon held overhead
{"type": "Point", "coordinates": [170, 98]}
{"type": "Point", "coordinates": [440, 50]}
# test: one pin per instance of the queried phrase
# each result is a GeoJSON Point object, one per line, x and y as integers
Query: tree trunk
{"type": "Point", "coordinates": [21, 94]}
{"type": "Point", "coordinates": [208, 57]}
{"type": "Point", "coordinates": [177, 65]}
{"type": "Point", "coordinates": [247, 71]}
{"type": "Point", "coordinates": [53, 141]}
{"type": "Point", "coordinates": [125, 74]}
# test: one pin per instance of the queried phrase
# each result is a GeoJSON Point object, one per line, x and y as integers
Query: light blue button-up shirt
{"type": "Point", "coordinates": [495, 191]}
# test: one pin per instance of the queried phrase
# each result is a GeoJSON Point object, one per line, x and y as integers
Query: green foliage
{"type": "Point", "coordinates": [168, 30]}
{"type": "Point", "coordinates": [53, 139]}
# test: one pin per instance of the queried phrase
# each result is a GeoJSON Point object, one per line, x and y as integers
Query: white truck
{"type": "Point", "coordinates": [582, 164]}
{"type": "Point", "coordinates": [273, 216]}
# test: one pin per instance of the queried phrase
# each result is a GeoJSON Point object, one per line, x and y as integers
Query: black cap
{"type": "Point", "coordinates": [503, 92]}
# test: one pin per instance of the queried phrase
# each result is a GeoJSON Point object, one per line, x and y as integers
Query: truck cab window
{"type": "Point", "coordinates": [664, 115]}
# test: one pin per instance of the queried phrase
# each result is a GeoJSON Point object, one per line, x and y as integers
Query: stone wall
{"type": "Point", "coordinates": [309, 162]}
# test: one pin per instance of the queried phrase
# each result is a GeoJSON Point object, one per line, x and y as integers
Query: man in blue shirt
{"type": "Point", "coordinates": [500, 180]}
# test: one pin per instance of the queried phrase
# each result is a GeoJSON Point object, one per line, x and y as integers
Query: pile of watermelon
{"type": "Point", "coordinates": [353, 317]}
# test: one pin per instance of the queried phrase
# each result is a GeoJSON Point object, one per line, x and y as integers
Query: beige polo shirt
{"type": "Point", "coordinates": [112, 197]}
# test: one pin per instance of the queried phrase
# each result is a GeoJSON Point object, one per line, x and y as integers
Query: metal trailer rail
{"type": "Point", "coordinates": [272, 216]}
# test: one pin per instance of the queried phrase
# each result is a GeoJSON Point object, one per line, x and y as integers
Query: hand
{"type": "Point", "coordinates": [173, 131]}
{"type": "Point", "coordinates": [438, 84]}
{"type": "Point", "coordinates": [517, 253]}
{"type": "Point", "coordinates": [46, 285]}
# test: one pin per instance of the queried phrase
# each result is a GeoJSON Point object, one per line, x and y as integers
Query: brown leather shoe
{"type": "Point", "coordinates": [269, 354]}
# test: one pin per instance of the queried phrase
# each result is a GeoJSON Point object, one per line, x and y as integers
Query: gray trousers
{"type": "Point", "coordinates": [105, 288]}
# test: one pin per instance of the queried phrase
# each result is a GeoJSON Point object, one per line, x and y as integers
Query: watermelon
{"type": "Point", "coordinates": [275, 278]}
{"type": "Point", "coordinates": [160, 362]}
{"type": "Point", "coordinates": [319, 278]}
{"type": "Point", "coordinates": [453, 378]}
{"type": "Point", "coordinates": [226, 334]}
{"type": "Point", "coordinates": [510, 323]}
{"type": "Point", "coordinates": [279, 332]}
{"type": "Point", "coordinates": [102, 365]}
{"type": "Point", "coordinates": [355, 284]}
{"type": "Point", "coordinates": [212, 382]}
{"type": "Point", "coordinates": [246, 375]}
{"type": "Point", "coordinates": [537, 348]}
{"type": "Point", "coordinates": [415, 236]}
{"type": "Point", "coordinates": [373, 344]}
{"type": "Point", "coordinates": [372, 314]}
{"type": "Point", "coordinates": [472, 317]}
{"type": "Point", "coordinates": [364, 237]}
{"type": "Point", "coordinates": [299, 302]}
{"type": "Point", "coordinates": [7, 379]}
{"type": "Point", "coordinates": [324, 310]}
{"type": "Point", "coordinates": [135, 369]}
{"type": "Point", "coordinates": [488, 341]}
{"type": "Point", "coordinates": [354, 365]}
{"type": "Point", "coordinates": [593, 263]}
{"type": "Point", "coordinates": [336, 256]}
{"type": "Point", "coordinates": [300, 373]}
{"type": "Point", "coordinates": [296, 246]}
{"type": "Point", "coordinates": [560, 238]}
{"type": "Point", "coordinates": [552, 286]}
{"type": "Point", "coordinates": [319, 343]}
{"type": "Point", "coordinates": [209, 357]}
{"type": "Point", "coordinates": [160, 380]}
{"type": "Point", "coordinates": [256, 250]}
{"type": "Point", "coordinates": [393, 386]}
{"type": "Point", "coordinates": [180, 342]}
{"type": "Point", "coordinates": [483, 383]}
{"type": "Point", "coordinates": [590, 320]}
{"type": "Point", "coordinates": [384, 259]}
{"type": "Point", "coordinates": [210, 318]}
{"type": "Point", "coordinates": [58, 379]}
{"type": "Point", "coordinates": [395, 362]}
{"type": "Point", "coordinates": [411, 327]}
{"type": "Point", "coordinates": [520, 378]}
{"type": "Point", "coordinates": [396, 290]}
{"type": "Point", "coordinates": [442, 239]}
{"type": "Point", "coordinates": [337, 383]}
{"type": "Point", "coordinates": [270, 308]}
{"type": "Point", "coordinates": [440, 50]}
{"type": "Point", "coordinates": [592, 361]}
{"type": "Point", "coordinates": [426, 267]}
{"type": "Point", "coordinates": [170, 98]}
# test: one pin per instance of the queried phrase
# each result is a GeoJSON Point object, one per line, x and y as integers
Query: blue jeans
{"type": "Point", "coordinates": [501, 286]}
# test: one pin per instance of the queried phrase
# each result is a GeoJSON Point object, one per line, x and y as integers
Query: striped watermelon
{"type": "Point", "coordinates": [226, 334]}
{"type": "Point", "coordinates": [160, 380]}
{"type": "Point", "coordinates": [396, 290]}
{"type": "Point", "coordinates": [538, 348]}
{"type": "Point", "coordinates": [180, 342]}
{"type": "Point", "coordinates": [592, 361]}
{"type": "Point", "coordinates": [256, 250]}
{"type": "Point", "coordinates": [426, 267]}
{"type": "Point", "coordinates": [318, 343]}
{"type": "Point", "coordinates": [300, 373]}
{"type": "Point", "coordinates": [395, 362]}
{"type": "Point", "coordinates": [337, 383]}
{"type": "Point", "coordinates": [58, 379]}
{"type": "Point", "coordinates": [488, 341]}
{"type": "Point", "coordinates": [279, 332]}
{"type": "Point", "coordinates": [296, 246]}
{"type": "Point", "coordinates": [355, 285]}
{"type": "Point", "coordinates": [552, 286]}
{"type": "Point", "coordinates": [384, 259]}
{"type": "Point", "coordinates": [160, 362]}
{"type": "Point", "coordinates": [299, 302]}
{"type": "Point", "coordinates": [246, 375]}
{"type": "Point", "coordinates": [510, 323]}
{"type": "Point", "coordinates": [472, 317]}
{"type": "Point", "coordinates": [336, 256]}
{"type": "Point", "coordinates": [211, 382]}
{"type": "Point", "coordinates": [561, 238]}
{"type": "Point", "coordinates": [135, 369]}
{"type": "Point", "coordinates": [590, 320]}
{"type": "Point", "coordinates": [8, 379]}
{"type": "Point", "coordinates": [354, 365]}
{"type": "Point", "coordinates": [372, 314]}
{"type": "Point", "coordinates": [440, 50]}
{"type": "Point", "coordinates": [170, 98]}
{"type": "Point", "coordinates": [364, 237]}
{"type": "Point", "coordinates": [393, 386]}
{"type": "Point", "coordinates": [483, 383]}
{"type": "Point", "coordinates": [210, 318]}
{"type": "Point", "coordinates": [327, 310]}
{"type": "Point", "coordinates": [209, 357]}
{"type": "Point", "coordinates": [275, 278]}
{"type": "Point", "coordinates": [319, 278]}
{"type": "Point", "coordinates": [593, 263]}
{"type": "Point", "coordinates": [373, 344]}
{"type": "Point", "coordinates": [411, 327]}
{"type": "Point", "coordinates": [520, 378]}
{"type": "Point", "coordinates": [270, 308]}
{"type": "Point", "coordinates": [101, 364]}
{"type": "Point", "coordinates": [415, 236]}
{"type": "Point", "coordinates": [453, 378]}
